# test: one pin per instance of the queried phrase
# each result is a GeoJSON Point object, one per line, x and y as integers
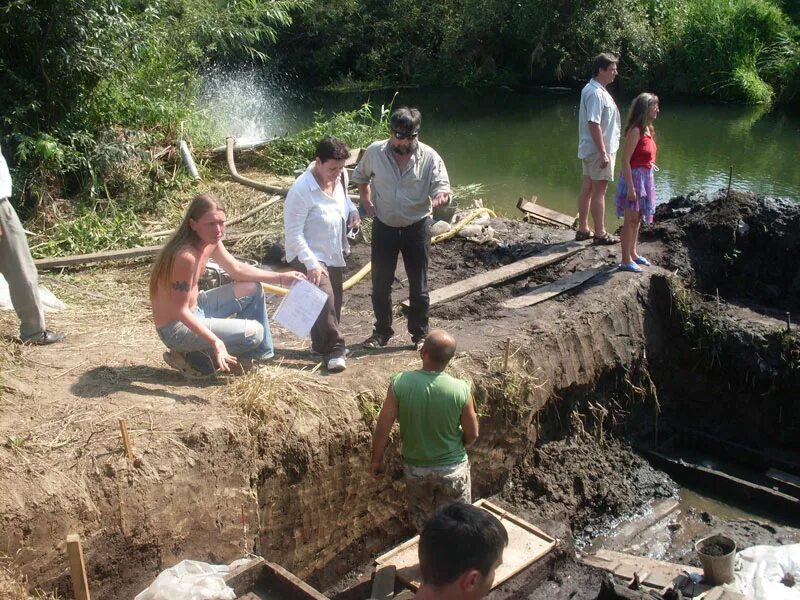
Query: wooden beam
{"type": "Point", "coordinates": [77, 568]}
{"type": "Point", "coordinates": [544, 214]}
{"type": "Point", "coordinates": [109, 255]}
{"type": "Point", "coordinates": [126, 440]}
{"type": "Point", "coordinates": [383, 583]}
{"type": "Point", "coordinates": [550, 290]}
{"type": "Point", "coordinates": [553, 254]}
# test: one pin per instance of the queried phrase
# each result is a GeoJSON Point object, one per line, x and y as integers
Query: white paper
{"type": "Point", "coordinates": [300, 308]}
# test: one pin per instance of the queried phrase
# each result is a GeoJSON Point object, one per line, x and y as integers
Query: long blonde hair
{"type": "Point", "coordinates": [162, 267]}
{"type": "Point", "coordinates": [639, 113]}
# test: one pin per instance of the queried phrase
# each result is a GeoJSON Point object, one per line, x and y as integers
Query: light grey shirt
{"type": "Point", "coordinates": [315, 224]}
{"type": "Point", "coordinates": [597, 106]}
{"type": "Point", "coordinates": [5, 178]}
{"type": "Point", "coordinates": [402, 199]}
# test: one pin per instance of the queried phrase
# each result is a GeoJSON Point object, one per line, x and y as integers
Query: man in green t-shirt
{"type": "Point", "coordinates": [437, 420]}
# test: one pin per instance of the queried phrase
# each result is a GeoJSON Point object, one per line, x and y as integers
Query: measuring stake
{"type": "Point", "coordinates": [505, 354]}
{"type": "Point", "coordinates": [77, 568]}
{"type": "Point", "coordinates": [788, 322]}
{"type": "Point", "coordinates": [126, 442]}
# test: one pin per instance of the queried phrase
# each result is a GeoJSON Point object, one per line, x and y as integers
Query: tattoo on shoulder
{"type": "Point", "coordinates": [181, 286]}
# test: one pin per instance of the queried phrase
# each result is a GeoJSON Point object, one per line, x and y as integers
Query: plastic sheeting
{"type": "Point", "coordinates": [49, 301]}
{"type": "Point", "coordinates": [191, 580]}
{"type": "Point", "coordinates": [760, 570]}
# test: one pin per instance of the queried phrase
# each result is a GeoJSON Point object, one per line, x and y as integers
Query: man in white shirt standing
{"type": "Point", "coordinates": [16, 265]}
{"type": "Point", "coordinates": [598, 140]}
{"type": "Point", "coordinates": [316, 216]}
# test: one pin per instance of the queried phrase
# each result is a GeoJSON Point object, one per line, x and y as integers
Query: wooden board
{"type": "Point", "coordinates": [526, 545]}
{"type": "Point", "coordinates": [107, 255]}
{"type": "Point", "coordinates": [383, 583]}
{"type": "Point", "coordinates": [549, 290]}
{"type": "Point", "coordinates": [543, 213]}
{"type": "Point", "coordinates": [793, 481]}
{"type": "Point", "coordinates": [654, 574]}
{"type": "Point", "coordinates": [260, 579]}
{"type": "Point", "coordinates": [553, 254]}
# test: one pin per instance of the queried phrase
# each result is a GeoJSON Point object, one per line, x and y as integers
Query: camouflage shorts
{"type": "Point", "coordinates": [430, 488]}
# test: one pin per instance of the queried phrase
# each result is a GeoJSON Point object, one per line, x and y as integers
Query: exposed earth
{"type": "Point", "coordinates": [275, 462]}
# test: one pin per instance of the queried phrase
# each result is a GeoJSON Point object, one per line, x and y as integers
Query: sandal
{"type": "Point", "coordinates": [605, 240]}
{"type": "Point", "coordinates": [582, 235]}
{"type": "Point", "coordinates": [178, 361]}
{"type": "Point", "coordinates": [631, 267]}
{"type": "Point", "coordinates": [376, 340]}
{"type": "Point", "coordinates": [641, 260]}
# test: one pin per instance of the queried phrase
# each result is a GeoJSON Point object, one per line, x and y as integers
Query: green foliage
{"type": "Point", "coordinates": [91, 231]}
{"type": "Point", "coordinates": [726, 49]}
{"type": "Point", "coordinates": [73, 70]}
{"type": "Point", "coordinates": [357, 128]}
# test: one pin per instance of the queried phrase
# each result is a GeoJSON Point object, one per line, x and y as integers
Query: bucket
{"type": "Point", "coordinates": [717, 554]}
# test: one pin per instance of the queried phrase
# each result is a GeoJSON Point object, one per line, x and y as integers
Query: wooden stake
{"type": "Point", "coordinates": [126, 442]}
{"type": "Point", "coordinates": [505, 354]}
{"type": "Point", "coordinates": [77, 568]}
{"type": "Point", "coordinates": [730, 178]}
{"type": "Point", "coordinates": [788, 322]}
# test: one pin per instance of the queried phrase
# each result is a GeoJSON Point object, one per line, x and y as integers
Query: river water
{"type": "Point", "coordinates": [524, 143]}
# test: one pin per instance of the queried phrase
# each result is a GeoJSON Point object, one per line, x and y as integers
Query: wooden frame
{"type": "Point", "coordinates": [522, 550]}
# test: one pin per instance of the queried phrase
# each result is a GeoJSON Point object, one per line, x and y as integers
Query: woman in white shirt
{"type": "Point", "coordinates": [316, 216]}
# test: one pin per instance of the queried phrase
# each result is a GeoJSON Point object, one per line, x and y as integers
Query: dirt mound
{"type": "Point", "coordinates": [745, 246]}
{"type": "Point", "coordinates": [591, 483]}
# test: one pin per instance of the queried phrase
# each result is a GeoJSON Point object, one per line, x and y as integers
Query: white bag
{"type": "Point", "coordinates": [190, 580]}
{"type": "Point", "coordinates": [49, 301]}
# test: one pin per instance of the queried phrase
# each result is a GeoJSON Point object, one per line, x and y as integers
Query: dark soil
{"type": "Point", "coordinates": [745, 246]}
{"type": "Point", "coordinates": [591, 484]}
{"type": "Point", "coordinates": [716, 549]}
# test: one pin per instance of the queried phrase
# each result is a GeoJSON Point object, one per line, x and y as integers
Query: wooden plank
{"type": "Point", "coordinates": [526, 545]}
{"type": "Point", "coordinates": [553, 254]}
{"type": "Point", "coordinates": [550, 290]}
{"type": "Point", "coordinates": [383, 583]}
{"type": "Point", "coordinates": [77, 568]}
{"type": "Point", "coordinates": [784, 477]}
{"type": "Point", "coordinates": [543, 213]}
{"type": "Point", "coordinates": [655, 574]}
{"type": "Point", "coordinates": [108, 255]}
{"type": "Point", "coordinates": [405, 595]}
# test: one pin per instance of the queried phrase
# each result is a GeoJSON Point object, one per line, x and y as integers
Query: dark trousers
{"type": "Point", "coordinates": [414, 244]}
{"type": "Point", "coordinates": [326, 337]}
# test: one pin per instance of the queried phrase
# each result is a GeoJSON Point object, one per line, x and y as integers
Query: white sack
{"type": "Point", "coordinates": [760, 569]}
{"type": "Point", "coordinates": [49, 301]}
{"type": "Point", "coordinates": [190, 580]}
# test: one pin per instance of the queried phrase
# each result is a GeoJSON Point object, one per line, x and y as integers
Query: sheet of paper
{"type": "Point", "coordinates": [300, 308]}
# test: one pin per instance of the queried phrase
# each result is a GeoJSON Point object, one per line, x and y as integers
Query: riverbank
{"type": "Point", "coordinates": [287, 446]}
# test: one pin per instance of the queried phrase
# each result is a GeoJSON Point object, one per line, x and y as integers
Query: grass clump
{"type": "Point", "coordinates": [358, 128]}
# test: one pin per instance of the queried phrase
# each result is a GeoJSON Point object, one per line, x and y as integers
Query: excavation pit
{"type": "Point", "coordinates": [276, 462]}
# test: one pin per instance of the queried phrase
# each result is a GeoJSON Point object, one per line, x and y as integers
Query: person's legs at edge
{"type": "Point", "coordinates": [246, 336]}
{"type": "Point", "coordinates": [16, 265]}
{"type": "Point", "coordinates": [597, 206]}
{"type": "Point", "coordinates": [584, 199]}
{"type": "Point", "coordinates": [637, 221]}
{"type": "Point", "coordinates": [626, 239]}
{"type": "Point", "coordinates": [384, 252]}
{"type": "Point", "coordinates": [415, 246]}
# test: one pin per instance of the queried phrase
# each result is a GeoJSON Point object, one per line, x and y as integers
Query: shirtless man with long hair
{"type": "Point", "coordinates": [194, 325]}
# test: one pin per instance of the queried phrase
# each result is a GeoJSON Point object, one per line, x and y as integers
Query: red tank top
{"type": "Point", "coordinates": [645, 153]}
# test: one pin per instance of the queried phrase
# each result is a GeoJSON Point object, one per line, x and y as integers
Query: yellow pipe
{"type": "Point", "coordinates": [279, 291]}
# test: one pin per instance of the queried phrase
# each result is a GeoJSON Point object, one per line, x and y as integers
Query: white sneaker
{"type": "Point", "coordinates": [337, 365]}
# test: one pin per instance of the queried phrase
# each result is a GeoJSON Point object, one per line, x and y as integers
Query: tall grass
{"type": "Point", "coordinates": [358, 128]}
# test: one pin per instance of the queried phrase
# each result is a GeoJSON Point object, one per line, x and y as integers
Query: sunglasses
{"type": "Point", "coordinates": [405, 136]}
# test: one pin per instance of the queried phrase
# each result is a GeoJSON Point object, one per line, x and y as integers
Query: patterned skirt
{"type": "Point", "coordinates": [645, 186]}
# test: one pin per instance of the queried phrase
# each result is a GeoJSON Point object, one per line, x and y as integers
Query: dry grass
{"type": "Point", "coordinates": [14, 585]}
{"type": "Point", "coordinates": [496, 389]}
{"type": "Point", "coordinates": [283, 398]}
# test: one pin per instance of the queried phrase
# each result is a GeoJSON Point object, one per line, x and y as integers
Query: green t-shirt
{"type": "Point", "coordinates": [429, 411]}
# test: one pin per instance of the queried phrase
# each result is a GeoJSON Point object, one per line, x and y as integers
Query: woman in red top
{"type": "Point", "coordinates": [636, 191]}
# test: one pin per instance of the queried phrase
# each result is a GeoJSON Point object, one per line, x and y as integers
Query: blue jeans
{"type": "Point", "coordinates": [245, 336]}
